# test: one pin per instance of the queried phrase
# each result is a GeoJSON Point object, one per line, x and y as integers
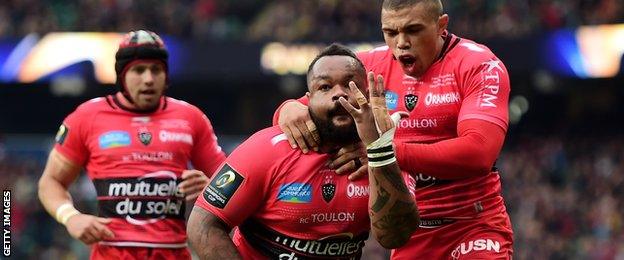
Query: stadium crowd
{"type": "Point", "coordinates": [286, 20]}
{"type": "Point", "coordinates": [564, 196]}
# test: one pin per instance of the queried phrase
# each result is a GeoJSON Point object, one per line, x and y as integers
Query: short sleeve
{"type": "Point", "coordinates": [206, 154]}
{"type": "Point", "coordinates": [71, 138]}
{"type": "Point", "coordinates": [238, 189]}
{"type": "Point", "coordinates": [485, 88]}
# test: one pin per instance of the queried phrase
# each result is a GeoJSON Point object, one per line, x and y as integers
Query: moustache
{"type": "Point", "coordinates": [337, 110]}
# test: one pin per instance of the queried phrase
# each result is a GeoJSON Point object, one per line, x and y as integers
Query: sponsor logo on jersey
{"type": "Point", "coordinates": [276, 245]}
{"type": "Point", "coordinates": [410, 101]}
{"type": "Point", "coordinates": [167, 136]}
{"type": "Point", "coordinates": [443, 80]}
{"type": "Point", "coordinates": [357, 191]}
{"type": "Point", "coordinates": [144, 200]}
{"type": "Point", "coordinates": [392, 99]}
{"type": "Point", "coordinates": [491, 83]}
{"type": "Point", "coordinates": [476, 245]}
{"type": "Point", "coordinates": [223, 186]}
{"type": "Point", "coordinates": [175, 124]}
{"type": "Point", "coordinates": [113, 139]}
{"type": "Point", "coordinates": [145, 136]}
{"type": "Point", "coordinates": [432, 99]}
{"type": "Point", "coordinates": [149, 156]}
{"type": "Point", "coordinates": [418, 123]}
{"type": "Point", "coordinates": [332, 217]}
{"type": "Point", "coordinates": [61, 134]}
{"type": "Point", "coordinates": [424, 181]}
{"type": "Point", "coordinates": [295, 193]}
{"type": "Point", "coordinates": [140, 120]}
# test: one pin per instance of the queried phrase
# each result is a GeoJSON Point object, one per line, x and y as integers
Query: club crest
{"type": "Point", "coordinates": [410, 101]}
{"type": "Point", "coordinates": [145, 136]}
{"type": "Point", "coordinates": [328, 190]}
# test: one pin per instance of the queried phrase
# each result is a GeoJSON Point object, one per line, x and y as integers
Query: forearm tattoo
{"type": "Point", "coordinates": [393, 212]}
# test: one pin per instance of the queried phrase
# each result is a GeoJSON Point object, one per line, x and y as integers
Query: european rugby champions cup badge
{"type": "Point", "coordinates": [328, 189]}
{"type": "Point", "coordinates": [410, 99]}
{"type": "Point", "coordinates": [145, 136]}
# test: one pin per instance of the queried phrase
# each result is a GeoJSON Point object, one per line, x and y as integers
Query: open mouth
{"type": "Point", "coordinates": [407, 60]}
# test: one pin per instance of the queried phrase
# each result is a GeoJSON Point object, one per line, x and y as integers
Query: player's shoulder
{"type": "Point", "coordinates": [376, 56]}
{"type": "Point", "coordinates": [270, 141]}
{"type": "Point", "coordinates": [271, 137]}
{"type": "Point", "coordinates": [183, 107]}
{"type": "Point", "coordinates": [93, 105]}
{"type": "Point", "coordinates": [468, 53]}
{"type": "Point", "coordinates": [178, 104]}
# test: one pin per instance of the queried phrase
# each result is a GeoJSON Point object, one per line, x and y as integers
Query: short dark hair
{"type": "Point", "coordinates": [394, 5]}
{"type": "Point", "coordinates": [335, 49]}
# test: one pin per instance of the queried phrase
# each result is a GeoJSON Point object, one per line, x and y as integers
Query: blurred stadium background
{"type": "Point", "coordinates": [563, 159]}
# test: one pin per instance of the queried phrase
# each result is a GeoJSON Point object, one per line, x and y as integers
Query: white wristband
{"type": "Point", "coordinates": [64, 212]}
{"type": "Point", "coordinates": [380, 152]}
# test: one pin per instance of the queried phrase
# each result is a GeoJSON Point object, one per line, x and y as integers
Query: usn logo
{"type": "Point", "coordinates": [113, 139]}
{"type": "Point", "coordinates": [490, 245]}
{"type": "Point", "coordinates": [391, 100]}
{"type": "Point", "coordinates": [295, 193]}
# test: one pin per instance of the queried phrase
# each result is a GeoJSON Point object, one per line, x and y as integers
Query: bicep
{"type": "Point", "coordinates": [209, 236]}
{"type": "Point", "coordinates": [59, 168]}
{"type": "Point", "coordinates": [202, 221]}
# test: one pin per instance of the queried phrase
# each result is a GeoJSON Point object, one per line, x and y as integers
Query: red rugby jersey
{"type": "Point", "coordinates": [288, 204]}
{"type": "Point", "coordinates": [136, 160]}
{"type": "Point", "coordinates": [467, 82]}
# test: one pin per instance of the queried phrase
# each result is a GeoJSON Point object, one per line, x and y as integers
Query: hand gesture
{"type": "Point", "coordinates": [371, 119]}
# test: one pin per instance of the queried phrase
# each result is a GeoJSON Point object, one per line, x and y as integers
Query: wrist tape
{"type": "Point", "coordinates": [380, 152]}
{"type": "Point", "coordinates": [64, 212]}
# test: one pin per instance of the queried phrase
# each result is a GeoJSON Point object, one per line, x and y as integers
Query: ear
{"type": "Point", "coordinates": [307, 94]}
{"type": "Point", "coordinates": [443, 21]}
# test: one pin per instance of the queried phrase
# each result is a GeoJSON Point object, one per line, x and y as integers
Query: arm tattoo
{"type": "Point", "coordinates": [209, 237]}
{"type": "Point", "coordinates": [382, 198]}
{"type": "Point", "coordinates": [393, 212]}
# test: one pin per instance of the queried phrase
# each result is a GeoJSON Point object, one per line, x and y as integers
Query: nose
{"type": "Point", "coordinates": [403, 42]}
{"type": "Point", "coordinates": [148, 77]}
{"type": "Point", "coordinates": [340, 91]}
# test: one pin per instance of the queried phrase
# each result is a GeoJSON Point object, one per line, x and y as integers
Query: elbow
{"type": "Point", "coordinates": [482, 169]}
{"type": "Point", "coordinates": [397, 238]}
{"type": "Point", "coordinates": [42, 186]}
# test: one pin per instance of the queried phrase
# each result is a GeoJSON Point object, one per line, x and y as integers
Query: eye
{"type": "Point", "coordinates": [390, 33]}
{"type": "Point", "coordinates": [324, 87]}
{"type": "Point", "coordinates": [139, 69]}
{"type": "Point", "coordinates": [157, 69]}
{"type": "Point", "coordinates": [414, 30]}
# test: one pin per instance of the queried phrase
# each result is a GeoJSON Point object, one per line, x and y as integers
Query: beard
{"type": "Point", "coordinates": [331, 134]}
